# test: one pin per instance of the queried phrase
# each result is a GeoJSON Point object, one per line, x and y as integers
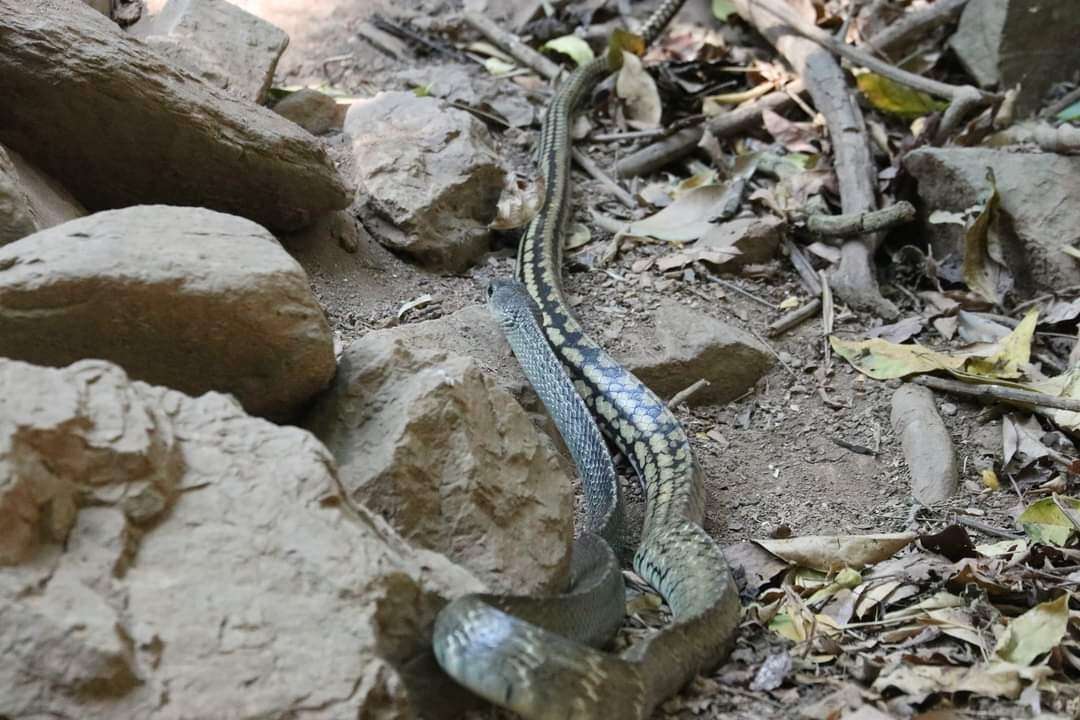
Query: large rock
{"type": "Point", "coordinates": [1039, 192]}
{"type": "Point", "coordinates": [122, 125]}
{"type": "Point", "coordinates": [217, 42]}
{"type": "Point", "coordinates": [171, 557]}
{"type": "Point", "coordinates": [184, 297]}
{"type": "Point", "coordinates": [30, 200]}
{"type": "Point", "coordinates": [429, 175]}
{"type": "Point", "coordinates": [1026, 44]}
{"type": "Point", "coordinates": [450, 460]}
{"type": "Point", "coordinates": [688, 345]}
{"type": "Point", "coordinates": [462, 84]}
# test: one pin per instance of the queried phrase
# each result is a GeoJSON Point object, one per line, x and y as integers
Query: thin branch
{"type": "Point", "coordinates": [860, 57]}
{"type": "Point", "coordinates": [999, 393]}
{"type": "Point", "coordinates": [1066, 100]}
{"type": "Point", "coordinates": [794, 318]}
{"type": "Point", "coordinates": [594, 170]}
{"type": "Point", "coordinates": [513, 46]}
{"type": "Point", "coordinates": [653, 157]}
{"type": "Point", "coordinates": [1064, 140]}
{"type": "Point", "coordinates": [685, 394]}
{"type": "Point", "coordinates": [860, 223]}
{"type": "Point", "coordinates": [914, 24]}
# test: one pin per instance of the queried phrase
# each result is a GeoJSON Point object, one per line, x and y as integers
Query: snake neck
{"type": "Point", "coordinates": [630, 414]}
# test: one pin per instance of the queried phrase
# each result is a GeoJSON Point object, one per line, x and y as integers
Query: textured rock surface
{"type": "Point", "coordinates": [1038, 191]}
{"type": "Point", "coordinates": [455, 82]}
{"type": "Point", "coordinates": [978, 38]}
{"type": "Point", "coordinates": [30, 200]}
{"type": "Point", "coordinates": [928, 448]}
{"type": "Point", "coordinates": [175, 558]}
{"type": "Point", "coordinates": [450, 460]}
{"type": "Point", "coordinates": [217, 42]}
{"type": "Point", "coordinates": [184, 297]}
{"type": "Point", "coordinates": [312, 110]}
{"type": "Point", "coordinates": [123, 126]}
{"type": "Point", "coordinates": [1027, 44]}
{"type": "Point", "coordinates": [688, 346]}
{"type": "Point", "coordinates": [430, 177]}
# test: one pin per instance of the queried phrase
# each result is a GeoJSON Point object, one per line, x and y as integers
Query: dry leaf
{"type": "Point", "coordinates": [900, 331]}
{"type": "Point", "coordinates": [795, 136]}
{"type": "Point", "coordinates": [985, 269]}
{"type": "Point", "coordinates": [638, 91]}
{"type": "Point", "coordinates": [688, 218]}
{"type": "Point", "coordinates": [518, 203]}
{"type": "Point", "coordinates": [1035, 633]}
{"type": "Point", "coordinates": [830, 553]}
{"type": "Point", "coordinates": [572, 46]}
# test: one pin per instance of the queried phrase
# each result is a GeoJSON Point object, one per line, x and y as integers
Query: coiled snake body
{"type": "Point", "coordinates": [512, 650]}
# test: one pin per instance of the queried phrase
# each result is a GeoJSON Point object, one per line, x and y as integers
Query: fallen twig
{"type": "Point", "coordinates": [1064, 140]}
{"type": "Point", "coordinates": [685, 394]}
{"type": "Point", "coordinates": [513, 46]}
{"type": "Point", "coordinates": [594, 170]}
{"type": "Point", "coordinates": [803, 266]}
{"type": "Point", "coordinates": [999, 393]}
{"type": "Point", "coordinates": [653, 157]}
{"type": "Point", "coordinates": [794, 318]}
{"type": "Point", "coordinates": [987, 529]}
{"type": "Point", "coordinates": [746, 293]}
{"type": "Point", "coordinates": [853, 280]}
{"type": "Point", "coordinates": [1065, 101]}
{"type": "Point", "coordinates": [860, 223]}
{"type": "Point", "coordinates": [914, 24]}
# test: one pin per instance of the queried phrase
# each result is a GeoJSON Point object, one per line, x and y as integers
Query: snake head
{"type": "Point", "coordinates": [509, 302]}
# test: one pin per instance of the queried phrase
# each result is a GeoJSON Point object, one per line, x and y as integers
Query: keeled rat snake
{"type": "Point", "coordinates": [516, 651]}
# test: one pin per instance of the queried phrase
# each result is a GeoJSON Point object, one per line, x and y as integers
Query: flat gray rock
{"type": "Point", "coordinates": [450, 460]}
{"type": "Point", "coordinates": [121, 125]}
{"type": "Point", "coordinates": [184, 297]}
{"type": "Point", "coordinates": [429, 177]}
{"type": "Point", "coordinates": [1040, 192]}
{"type": "Point", "coordinates": [227, 47]}
{"type": "Point", "coordinates": [688, 345]}
{"type": "Point", "coordinates": [170, 557]}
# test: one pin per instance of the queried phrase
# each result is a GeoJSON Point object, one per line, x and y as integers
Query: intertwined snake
{"type": "Point", "coordinates": [512, 650]}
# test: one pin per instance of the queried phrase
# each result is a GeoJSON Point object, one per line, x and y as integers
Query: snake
{"type": "Point", "coordinates": [543, 657]}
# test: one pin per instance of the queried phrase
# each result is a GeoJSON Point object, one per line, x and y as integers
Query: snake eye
{"type": "Point", "coordinates": [490, 290]}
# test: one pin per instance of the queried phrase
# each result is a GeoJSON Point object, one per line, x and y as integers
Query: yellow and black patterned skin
{"type": "Point", "coordinates": [522, 662]}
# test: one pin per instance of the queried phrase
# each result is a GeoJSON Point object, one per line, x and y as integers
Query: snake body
{"type": "Point", "coordinates": [517, 652]}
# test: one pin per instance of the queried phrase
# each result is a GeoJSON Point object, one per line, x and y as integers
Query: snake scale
{"type": "Point", "coordinates": [540, 656]}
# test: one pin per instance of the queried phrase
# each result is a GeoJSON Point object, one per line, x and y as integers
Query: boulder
{"type": "Point", "coordinates": [1026, 44]}
{"type": "Point", "coordinates": [312, 110]}
{"type": "Point", "coordinates": [171, 557]}
{"type": "Point", "coordinates": [122, 125]}
{"type": "Point", "coordinates": [1038, 191]}
{"type": "Point", "coordinates": [687, 345]}
{"type": "Point", "coordinates": [451, 461]}
{"type": "Point", "coordinates": [30, 200]}
{"type": "Point", "coordinates": [428, 175]}
{"type": "Point", "coordinates": [184, 297]}
{"type": "Point", "coordinates": [217, 42]}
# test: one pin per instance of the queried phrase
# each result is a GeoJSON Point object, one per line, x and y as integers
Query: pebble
{"type": "Point", "coordinates": [948, 409]}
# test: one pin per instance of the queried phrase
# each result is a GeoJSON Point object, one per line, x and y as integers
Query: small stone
{"type": "Point", "coordinates": [697, 346]}
{"type": "Point", "coordinates": [312, 110]}
{"type": "Point", "coordinates": [948, 409]}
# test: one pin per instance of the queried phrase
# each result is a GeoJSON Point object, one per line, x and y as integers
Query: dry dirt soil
{"type": "Point", "coordinates": [778, 457]}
